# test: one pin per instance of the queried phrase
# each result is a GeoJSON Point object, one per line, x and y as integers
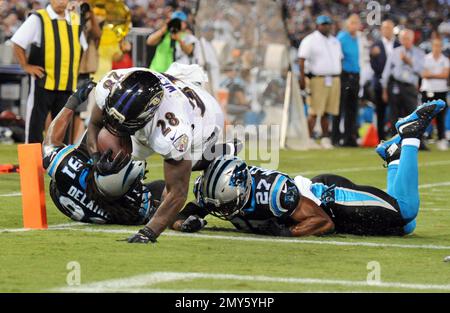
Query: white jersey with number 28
{"type": "Point", "coordinates": [187, 121]}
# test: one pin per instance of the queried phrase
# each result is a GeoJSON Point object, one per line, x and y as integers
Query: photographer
{"type": "Point", "coordinates": [173, 43]}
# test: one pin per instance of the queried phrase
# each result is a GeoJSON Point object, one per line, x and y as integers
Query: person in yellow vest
{"type": "Point", "coordinates": [55, 39]}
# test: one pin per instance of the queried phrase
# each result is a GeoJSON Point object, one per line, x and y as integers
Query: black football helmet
{"type": "Point", "coordinates": [132, 102]}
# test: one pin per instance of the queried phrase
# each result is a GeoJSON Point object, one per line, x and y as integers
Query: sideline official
{"type": "Point", "coordinates": [322, 52]}
{"type": "Point", "coordinates": [55, 40]}
{"type": "Point", "coordinates": [349, 84]}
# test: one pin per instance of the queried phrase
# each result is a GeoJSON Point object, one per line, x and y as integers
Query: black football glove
{"type": "Point", "coordinates": [271, 227]}
{"type": "Point", "coordinates": [80, 95]}
{"type": "Point", "coordinates": [95, 157]}
{"type": "Point", "coordinates": [193, 224]}
{"type": "Point", "coordinates": [144, 235]}
{"type": "Point", "coordinates": [104, 166]}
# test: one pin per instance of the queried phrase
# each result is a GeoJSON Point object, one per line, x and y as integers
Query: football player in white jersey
{"type": "Point", "coordinates": [175, 118]}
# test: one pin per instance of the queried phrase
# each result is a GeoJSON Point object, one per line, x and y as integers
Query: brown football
{"type": "Point", "coordinates": [106, 140]}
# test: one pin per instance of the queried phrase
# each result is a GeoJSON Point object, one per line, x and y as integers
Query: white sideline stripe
{"type": "Point", "coordinates": [159, 277]}
{"type": "Point", "coordinates": [358, 169]}
{"type": "Point", "coordinates": [434, 209]}
{"type": "Point", "coordinates": [445, 183]}
{"type": "Point", "coordinates": [51, 227]}
{"type": "Point", "coordinates": [13, 194]}
{"type": "Point", "coordinates": [269, 239]}
{"type": "Point", "coordinates": [161, 290]}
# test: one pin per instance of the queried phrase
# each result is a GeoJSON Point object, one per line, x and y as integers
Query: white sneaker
{"type": "Point", "coordinates": [325, 142]}
{"type": "Point", "coordinates": [312, 144]}
{"type": "Point", "coordinates": [442, 145]}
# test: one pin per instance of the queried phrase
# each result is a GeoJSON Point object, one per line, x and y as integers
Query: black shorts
{"type": "Point", "coordinates": [361, 210]}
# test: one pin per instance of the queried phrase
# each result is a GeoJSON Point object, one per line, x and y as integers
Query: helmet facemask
{"type": "Point", "coordinates": [132, 102]}
{"type": "Point", "coordinates": [239, 179]}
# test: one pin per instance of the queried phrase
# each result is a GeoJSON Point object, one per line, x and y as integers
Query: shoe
{"type": "Point", "coordinates": [442, 145]}
{"type": "Point", "coordinates": [312, 144]}
{"type": "Point", "coordinates": [350, 143]}
{"type": "Point", "coordinates": [389, 150]}
{"type": "Point", "coordinates": [325, 142]}
{"type": "Point", "coordinates": [415, 124]}
{"type": "Point", "coordinates": [423, 146]}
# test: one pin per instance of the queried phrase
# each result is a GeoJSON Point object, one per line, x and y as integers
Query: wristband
{"type": "Point", "coordinates": [149, 233]}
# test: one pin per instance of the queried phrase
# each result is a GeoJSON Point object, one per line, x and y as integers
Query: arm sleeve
{"type": "Point", "coordinates": [446, 62]}
{"type": "Point", "coordinates": [418, 63]}
{"type": "Point", "coordinates": [28, 32]}
{"type": "Point", "coordinates": [386, 71]}
{"type": "Point", "coordinates": [304, 51]}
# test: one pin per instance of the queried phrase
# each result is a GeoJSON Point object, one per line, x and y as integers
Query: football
{"type": "Point", "coordinates": [107, 140]}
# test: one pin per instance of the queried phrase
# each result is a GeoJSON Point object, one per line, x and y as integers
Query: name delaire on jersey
{"type": "Point", "coordinates": [67, 168]}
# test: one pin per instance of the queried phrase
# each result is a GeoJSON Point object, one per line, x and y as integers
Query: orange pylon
{"type": "Point", "coordinates": [32, 186]}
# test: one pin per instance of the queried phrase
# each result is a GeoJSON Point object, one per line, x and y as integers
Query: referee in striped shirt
{"type": "Point", "coordinates": [55, 40]}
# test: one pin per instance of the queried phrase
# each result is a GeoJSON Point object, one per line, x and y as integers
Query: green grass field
{"type": "Point", "coordinates": [219, 259]}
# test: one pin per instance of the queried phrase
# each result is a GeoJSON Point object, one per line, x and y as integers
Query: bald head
{"type": "Point", "coordinates": [406, 37]}
{"type": "Point", "coordinates": [353, 23]}
{"type": "Point", "coordinates": [387, 29]}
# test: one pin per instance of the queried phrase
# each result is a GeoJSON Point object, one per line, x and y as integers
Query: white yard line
{"type": "Point", "coordinates": [434, 209]}
{"type": "Point", "coordinates": [358, 169]}
{"type": "Point", "coordinates": [12, 194]}
{"type": "Point", "coordinates": [444, 183]}
{"type": "Point", "coordinates": [125, 231]}
{"type": "Point", "coordinates": [51, 227]}
{"type": "Point", "coordinates": [139, 281]}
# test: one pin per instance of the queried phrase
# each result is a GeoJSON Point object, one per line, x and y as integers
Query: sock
{"type": "Point", "coordinates": [406, 185]}
{"type": "Point", "coordinates": [415, 142]}
{"type": "Point", "coordinates": [391, 174]}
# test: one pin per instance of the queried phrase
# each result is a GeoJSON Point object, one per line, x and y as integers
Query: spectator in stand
{"type": "Point", "coordinates": [10, 25]}
{"type": "Point", "coordinates": [208, 57]}
{"type": "Point", "coordinates": [323, 53]}
{"type": "Point", "coordinates": [379, 53]}
{"type": "Point", "coordinates": [88, 63]}
{"type": "Point", "coordinates": [434, 85]}
{"type": "Point", "coordinates": [123, 58]}
{"type": "Point", "coordinates": [400, 78]}
{"type": "Point", "coordinates": [349, 84]}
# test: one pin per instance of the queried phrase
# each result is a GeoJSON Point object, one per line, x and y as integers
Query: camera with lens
{"type": "Point", "coordinates": [84, 10]}
{"type": "Point", "coordinates": [174, 26]}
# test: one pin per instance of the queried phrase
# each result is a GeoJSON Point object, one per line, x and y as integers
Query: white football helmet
{"type": "Point", "coordinates": [116, 185]}
{"type": "Point", "coordinates": [226, 186]}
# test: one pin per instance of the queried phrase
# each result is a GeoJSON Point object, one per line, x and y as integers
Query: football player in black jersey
{"type": "Point", "coordinates": [270, 202]}
{"type": "Point", "coordinates": [107, 192]}
{"type": "Point", "coordinates": [252, 199]}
